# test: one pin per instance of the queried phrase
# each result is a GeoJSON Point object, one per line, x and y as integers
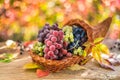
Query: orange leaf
{"type": "Point", "coordinates": [42, 73]}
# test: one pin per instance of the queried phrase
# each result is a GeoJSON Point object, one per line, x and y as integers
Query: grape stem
{"type": "Point", "coordinates": [74, 46]}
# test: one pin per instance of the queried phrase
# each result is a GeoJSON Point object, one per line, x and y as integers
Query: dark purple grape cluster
{"type": "Point", "coordinates": [80, 37]}
{"type": "Point", "coordinates": [54, 45]}
{"type": "Point", "coordinates": [45, 30]}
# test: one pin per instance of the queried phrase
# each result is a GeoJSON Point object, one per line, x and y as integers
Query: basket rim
{"type": "Point", "coordinates": [64, 59]}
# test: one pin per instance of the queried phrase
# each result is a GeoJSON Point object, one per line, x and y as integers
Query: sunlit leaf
{"type": "Point", "coordinates": [84, 53]}
{"type": "Point", "coordinates": [31, 66]}
{"type": "Point", "coordinates": [76, 67]}
{"type": "Point", "coordinates": [103, 48]}
{"type": "Point", "coordinates": [98, 40]}
{"type": "Point", "coordinates": [96, 54]}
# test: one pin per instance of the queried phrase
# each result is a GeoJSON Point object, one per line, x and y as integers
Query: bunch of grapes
{"type": "Point", "coordinates": [45, 30]}
{"type": "Point", "coordinates": [80, 37]}
{"type": "Point", "coordinates": [79, 51]}
{"type": "Point", "coordinates": [55, 47]}
{"type": "Point", "coordinates": [38, 48]}
{"type": "Point", "coordinates": [68, 35]}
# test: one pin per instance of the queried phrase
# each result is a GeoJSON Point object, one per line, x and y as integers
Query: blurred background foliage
{"type": "Point", "coordinates": [21, 19]}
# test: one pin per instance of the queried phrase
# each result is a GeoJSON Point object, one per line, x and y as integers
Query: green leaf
{"type": "Point", "coordinates": [76, 67]}
{"type": "Point", "coordinates": [98, 40]}
{"type": "Point", "coordinates": [7, 57]}
{"type": "Point", "coordinates": [5, 60]}
{"type": "Point", "coordinates": [32, 66]}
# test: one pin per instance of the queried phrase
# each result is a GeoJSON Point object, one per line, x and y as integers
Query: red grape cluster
{"type": "Point", "coordinates": [55, 47]}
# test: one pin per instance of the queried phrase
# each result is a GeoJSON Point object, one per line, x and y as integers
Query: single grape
{"type": "Point", "coordinates": [54, 39]}
{"type": "Point", "coordinates": [59, 46]}
{"type": "Point", "coordinates": [64, 51]}
{"type": "Point", "coordinates": [46, 56]}
{"type": "Point", "coordinates": [46, 49]}
{"type": "Point", "coordinates": [50, 53]}
{"type": "Point", "coordinates": [52, 48]}
{"type": "Point", "coordinates": [56, 52]}
{"type": "Point", "coordinates": [40, 54]}
{"type": "Point", "coordinates": [55, 33]}
{"type": "Point", "coordinates": [69, 54]}
{"type": "Point", "coordinates": [49, 43]}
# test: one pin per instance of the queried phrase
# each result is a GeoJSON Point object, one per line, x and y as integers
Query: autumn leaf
{"type": "Point", "coordinates": [84, 53]}
{"type": "Point", "coordinates": [97, 50]}
{"type": "Point", "coordinates": [106, 64]}
{"type": "Point", "coordinates": [32, 66]}
{"type": "Point", "coordinates": [42, 73]}
{"type": "Point", "coordinates": [76, 67]}
{"type": "Point", "coordinates": [98, 40]}
{"type": "Point", "coordinates": [103, 48]}
{"type": "Point", "coordinates": [96, 54]}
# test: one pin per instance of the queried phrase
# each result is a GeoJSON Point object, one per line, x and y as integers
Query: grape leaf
{"type": "Point", "coordinates": [103, 48]}
{"type": "Point", "coordinates": [32, 66]}
{"type": "Point", "coordinates": [98, 40]}
{"type": "Point", "coordinates": [97, 50]}
{"type": "Point", "coordinates": [84, 53]}
{"type": "Point", "coordinates": [96, 54]}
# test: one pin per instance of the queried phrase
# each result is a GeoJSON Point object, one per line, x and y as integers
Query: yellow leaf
{"type": "Point", "coordinates": [76, 67]}
{"type": "Point", "coordinates": [104, 49]}
{"type": "Point", "coordinates": [98, 40]}
{"type": "Point", "coordinates": [86, 44]}
{"type": "Point", "coordinates": [31, 66]}
{"type": "Point", "coordinates": [96, 54]}
{"type": "Point", "coordinates": [84, 53]}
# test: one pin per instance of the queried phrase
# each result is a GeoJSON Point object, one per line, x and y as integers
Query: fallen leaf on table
{"type": "Point", "coordinates": [42, 73]}
{"type": "Point", "coordinates": [7, 57]}
{"type": "Point", "coordinates": [32, 66]}
{"type": "Point", "coordinates": [106, 64]}
{"type": "Point", "coordinates": [76, 67]}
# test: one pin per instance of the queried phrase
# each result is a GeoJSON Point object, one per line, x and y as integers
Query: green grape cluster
{"type": "Point", "coordinates": [79, 52]}
{"type": "Point", "coordinates": [38, 48]}
{"type": "Point", "coordinates": [68, 34]}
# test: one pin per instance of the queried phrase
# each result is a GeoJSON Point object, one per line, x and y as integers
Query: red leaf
{"type": "Point", "coordinates": [42, 73]}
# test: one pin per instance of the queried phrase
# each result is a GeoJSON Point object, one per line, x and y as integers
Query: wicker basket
{"type": "Point", "coordinates": [92, 32]}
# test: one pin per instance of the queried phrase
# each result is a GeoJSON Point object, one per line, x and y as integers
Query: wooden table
{"type": "Point", "coordinates": [14, 71]}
